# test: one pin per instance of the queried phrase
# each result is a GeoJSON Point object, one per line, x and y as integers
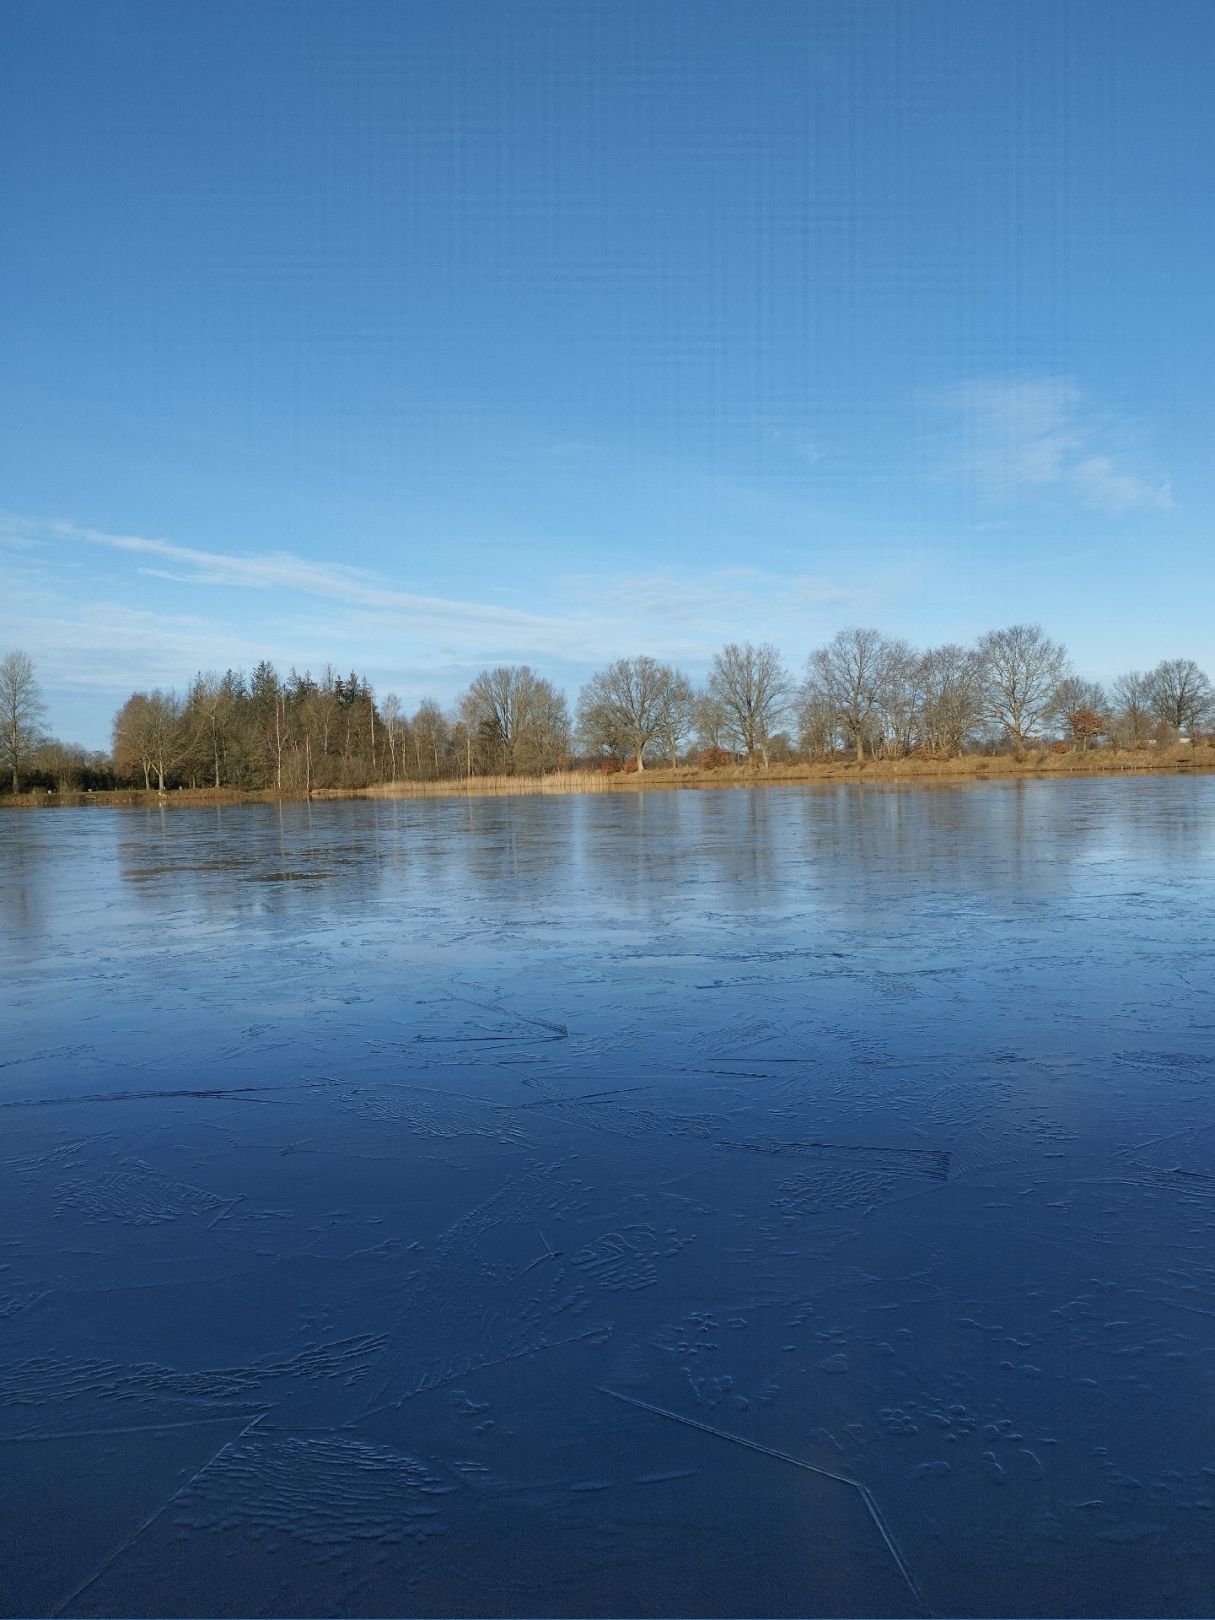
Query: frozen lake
{"type": "Point", "coordinates": [771, 1203]}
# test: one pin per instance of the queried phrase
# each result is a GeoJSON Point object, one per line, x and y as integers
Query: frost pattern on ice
{"type": "Point", "coordinates": [328, 1489]}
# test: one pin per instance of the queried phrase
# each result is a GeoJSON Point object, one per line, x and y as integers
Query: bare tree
{"type": "Point", "coordinates": [21, 713]}
{"type": "Point", "coordinates": [899, 703]}
{"type": "Point", "coordinates": [711, 721]}
{"type": "Point", "coordinates": [430, 734]}
{"type": "Point", "coordinates": [1180, 694]}
{"type": "Point", "coordinates": [1021, 669]}
{"type": "Point", "coordinates": [1132, 705]}
{"type": "Point", "coordinates": [519, 720]}
{"type": "Point", "coordinates": [148, 730]}
{"type": "Point", "coordinates": [327, 708]}
{"type": "Point", "coordinates": [676, 713]}
{"type": "Point", "coordinates": [164, 733]}
{"type": "Point", "coordinates": [854, 675]}
{"type": "Point", "coordinates": [268, 698]}
{"type": "Point", "coordinates": [628, 705]}
{"type": "Point", "coordinates": [130, 746]}
{"type": "Point", "coordinates": [753, 688]}
{"type": "Point", "coordinates": [72, 766]}
{"type": "Point", "coordinates": [470, 722]}
{"type": "Point", "coordinates": [818, 725]}
{"type": "Point", "coordinates": [207, 712]}
{"type": "Point", "coordinates": [392, 730]}
{"type": "Point", "coordinates": [949, 682]}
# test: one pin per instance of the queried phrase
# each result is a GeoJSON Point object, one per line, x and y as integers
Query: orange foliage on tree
{"type": "Point", "coordinates": [1085, 724]}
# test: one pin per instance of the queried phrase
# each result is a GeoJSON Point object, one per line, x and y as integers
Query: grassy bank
{"type": "Point", "coordinates": [907, 772]}
{"type": "Point", "coordinates": [967, 768]}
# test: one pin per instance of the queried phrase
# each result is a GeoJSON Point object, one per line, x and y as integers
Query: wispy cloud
{"type": "Point", "coordinates": [106, 647]}
{"type": "Point", "coordinates": [1098, 482]}
{"type": "Point", "coordinates": [92, 608]}
{"type": "Point", "coordinates": [722, 598]}
{"type": "Point", "coordinates": [17, 533]}
{"type": "Point", "coordinates": [283, 571]}
{"type": "Point", "coordinates": [718, 600]}
{"type": "Point", "coordinates": [1044, 434]}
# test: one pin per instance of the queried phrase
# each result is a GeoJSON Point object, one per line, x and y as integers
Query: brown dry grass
{"type": "Point", "coordinates": [967, 768]}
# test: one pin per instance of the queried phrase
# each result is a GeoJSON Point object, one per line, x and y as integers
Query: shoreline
{"type": "Point", "coordinates": [902, 772]}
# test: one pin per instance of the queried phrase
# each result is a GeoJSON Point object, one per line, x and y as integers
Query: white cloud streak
{"type": "Point", "coordinates": [109, 629]}
{"type": "Point", "coordinates": [283, 571]}
{"type": "Point", "coordinates": [1043, 434]}
{"type": "Point", "coordinates": [717, 601]}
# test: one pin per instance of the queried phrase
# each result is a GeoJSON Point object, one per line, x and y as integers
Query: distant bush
{"type": "Point", "coordinates": [714, 759]}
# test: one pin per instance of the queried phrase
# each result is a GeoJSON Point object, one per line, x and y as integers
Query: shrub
{"type": "Point", "coordinates": [714, 759]}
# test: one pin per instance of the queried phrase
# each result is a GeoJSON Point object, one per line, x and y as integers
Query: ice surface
{"type": "Point", "coordinates": [775, 1203]}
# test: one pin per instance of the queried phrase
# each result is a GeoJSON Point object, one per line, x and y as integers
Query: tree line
{"type": "Point", "coordinates": [863, 694]}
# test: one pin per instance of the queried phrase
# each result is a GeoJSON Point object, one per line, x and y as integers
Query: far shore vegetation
{"type": "Point", "coordinates": [866, 707]}
{"type": "Point", "coordinates": [913, 772]}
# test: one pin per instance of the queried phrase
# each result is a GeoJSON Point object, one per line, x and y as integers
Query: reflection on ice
{"type": "Point", "coordinates": [719, 1203]}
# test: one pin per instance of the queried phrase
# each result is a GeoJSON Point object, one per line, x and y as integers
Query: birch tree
{"type": "Point", "coordinates": [148, 730]}
{"type": "Point", "coordinates": [393, 730]}
{"type": "Point", "coordinates": [21, 714]}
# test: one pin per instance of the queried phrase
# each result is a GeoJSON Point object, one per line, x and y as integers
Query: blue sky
{"type": "Point", "coordinates": [421, 337]}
